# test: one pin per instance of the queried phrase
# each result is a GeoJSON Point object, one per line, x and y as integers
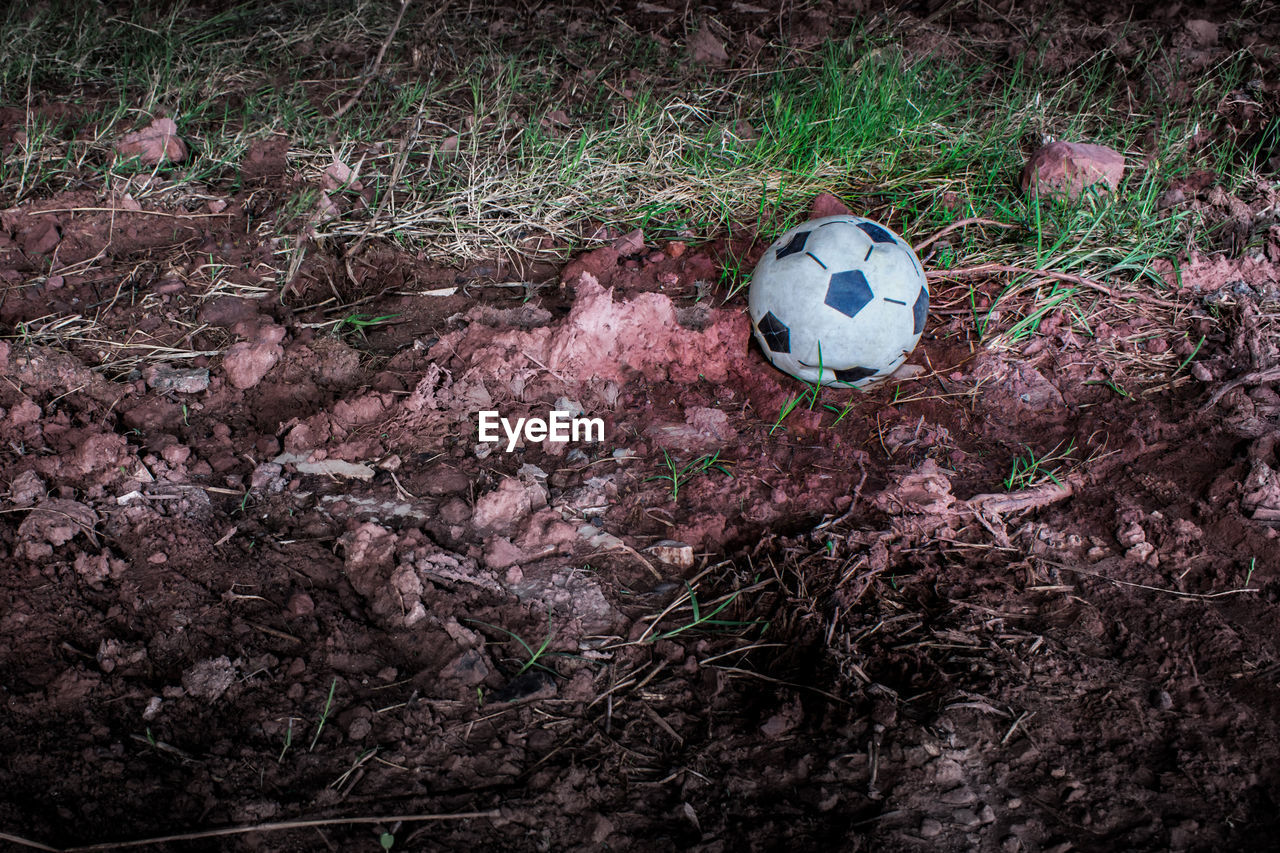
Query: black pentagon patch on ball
{"type": "Point", "coordinates": [776, 336]}
{"type": "Point", "coordinates": [920, 312]}
{"type": "Point", "coordinates": [848, 292]}
{"type": "Point", "coordinates": [795, 244]}
{"type": "Point", "coordinates": [854, 374]}
{"type": "Point", "coordinates": [876, 233]}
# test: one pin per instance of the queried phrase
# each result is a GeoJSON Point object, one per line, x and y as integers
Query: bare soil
{"type": "Point", "coordinates": [280, 579]}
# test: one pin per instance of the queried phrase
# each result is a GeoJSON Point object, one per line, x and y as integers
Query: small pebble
{"type": "Point", "coordinates": [930, 828]}
{"type": "Point", "coordinates": [957, 797]}
{"type": "Point", "coordinates": [300, 604]}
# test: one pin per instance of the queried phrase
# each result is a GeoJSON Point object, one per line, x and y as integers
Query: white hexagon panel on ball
{"type": "Point", "coordinates": [840, 300]}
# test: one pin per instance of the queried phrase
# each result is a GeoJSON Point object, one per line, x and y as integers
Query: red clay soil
{"type": "Point", "coordinates": [259, 568]}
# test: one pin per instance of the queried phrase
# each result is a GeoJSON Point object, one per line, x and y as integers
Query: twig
{"type": "Point", "coordinates": [377, 62]}
{"type": "Point", "coordinates": [959, 223]}
{"type": "Point", "coordinates": [23, 842]}
{"type": "Point", "coordinates": [985, 269]}
{"type": "Point", "coordinates": [1202, 596]}
{"type": "Point", "coordinates": [1258, 377]}
{"type": "Point", "coordinates": [124, 211]}
{"type": "Point", "coordinates": [622, 546]}
{"type": "Point", "coordinates": [1031, 498]}
{"type": "Point", "coordinates": [257, 827]}
{"type": "Point", "coordinates": [406, 147]}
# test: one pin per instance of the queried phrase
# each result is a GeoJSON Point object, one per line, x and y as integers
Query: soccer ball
{"type": "Point", "coordinates": [840, 300]}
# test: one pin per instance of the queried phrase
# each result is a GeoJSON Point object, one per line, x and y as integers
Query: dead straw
{"type": "Point", "coordinates": [277, 826]}
{"type": "Point", "coordinates": [987, 269]}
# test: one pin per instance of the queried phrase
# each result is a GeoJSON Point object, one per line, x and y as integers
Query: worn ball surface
{"type": "Point", "coordinates": [840, 300]}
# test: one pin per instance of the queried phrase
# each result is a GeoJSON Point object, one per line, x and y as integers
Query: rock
{"type": "Point", "coordinates": [300, 604]}
{"type": "Point", "coordinates": [41, 238]}
{"type": "Point", "coordinates": [672, 553]}
{"type": "Point", "coordinates": [164, 378]}
{"type": "Point", "coordinates": [226, 311]}
{"type": "Point", "coordinates": [784, 721]}
{"type": "Point", "coordinates": [706, 49]}
{"type": "Point", "coordinates": [957, 797]}
{"type": "Point", "coordinates": [1067, 168]}
{"type": "Point", "coordinates": [631, 243]}
{"type": "Point", "coordinates": [156, 142]}
{"type": "Point", "coordinates": [930, 828]}
{"type": "Point", "coordinates": [828, 205]}
{"type": "Point", "coordinates": [1203, 33]}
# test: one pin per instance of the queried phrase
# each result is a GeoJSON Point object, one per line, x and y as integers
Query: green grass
{"type": "Point", "coordinates": [1030, 470]}
{"type": "Point", "coordinates": [533, 657]}
{"type": "Point", "coordinates": [324, 718]}
{"type": "Point", "coordinates": [915, 140]}
{"type": "Point", "coordinates": [678, 475]}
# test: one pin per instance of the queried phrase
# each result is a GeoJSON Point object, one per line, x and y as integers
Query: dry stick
{"type": "Point", "coordinates": [959, 223]}
{"type": "Point", "coordinates": [1031, 498]}
{"type": "Point", "coordinates": [1202, 596]}
{"type": "Point", "coordinates": [124, 211]}
{"type": "Point", "coordinates": [1071, 278]}
{"type": "Point", "coordinates": [377, 62]}
{"type": "Point", "coordinates": [257, 827]}
{"type": "Point", "coordinates": [23, 842]}
{"type": "Point", "coordinates": [406, 148]}
{"type": "Point", "coordinates": [1256, 378]}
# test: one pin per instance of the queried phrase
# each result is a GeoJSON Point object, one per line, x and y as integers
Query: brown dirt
{"type": "Point", "coordinates": [279, 578]}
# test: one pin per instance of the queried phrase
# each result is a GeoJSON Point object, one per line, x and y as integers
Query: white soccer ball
{"type": "Point", "coordinates": [842, 292]}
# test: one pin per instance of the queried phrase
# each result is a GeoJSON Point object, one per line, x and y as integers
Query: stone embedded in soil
{"type": "Point", "coordinates": [1203, 33]}
{"type": "Point", "coordinates": [267, 158]}
{"type": "Point", "coordinates": [246, 363]}
{"type": "Point", "coordinates": [41, 238]}
{"type": "Point", "coordinates": [828, 205]}
{"type": "Point", "coordinates": [156, 142]}
{"type": "Point", "coordinates": [672, 553]}
{"type": "Point", "coordinates": [706, 49]}
{"type": "Point", "coordinates": [631, 243]}
{"type": "Point", "coordinates": [300, 604]}
{"type": "Point", "coordinates": [930, 828]}
{"type": "Point", "coordinates": [961, 796]}
{"type": "Point", "coordinates": [164, 378]}
{"type": "Point", "coordinates": [1068, 168]}
{"type": "Point", "coordinates": [227, 311]}
{"type": "Point", "coordinates": [784, 721]}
